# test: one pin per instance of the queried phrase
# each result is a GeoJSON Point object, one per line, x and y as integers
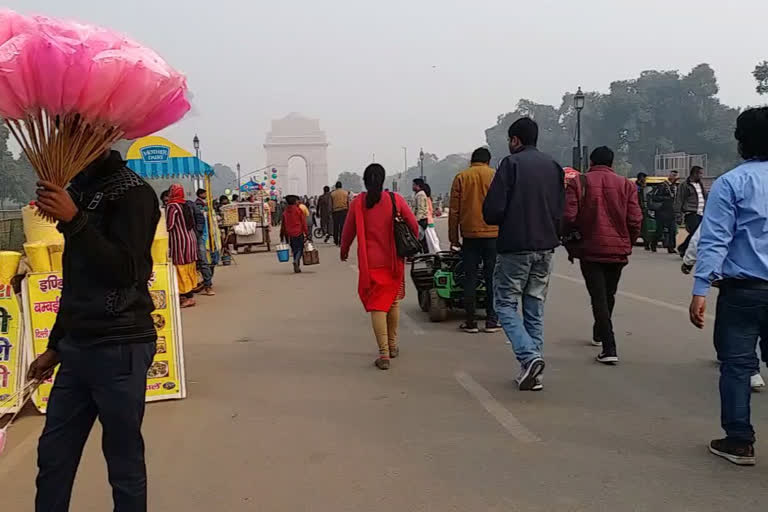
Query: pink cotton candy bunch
{"type": "Point", "coordinates": [69, 90]}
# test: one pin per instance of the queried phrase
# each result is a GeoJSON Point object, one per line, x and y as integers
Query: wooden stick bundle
{"type": "Point", "coordinates": [59, 147]}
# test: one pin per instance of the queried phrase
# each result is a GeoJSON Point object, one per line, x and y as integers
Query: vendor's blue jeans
{"type": "Point", "coordinates": [742, 314]}
{"type": "Point", "coordinates": [107, 382]}
{"type": "Point", "coordinates": [522, 278]}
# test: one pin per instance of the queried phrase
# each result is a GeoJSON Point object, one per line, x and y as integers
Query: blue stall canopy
{"type": "Point", "coordinates": [155, 157]}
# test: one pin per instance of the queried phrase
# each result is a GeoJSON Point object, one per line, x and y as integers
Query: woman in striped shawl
{"type": "Point", "coordinates": [182, 242]}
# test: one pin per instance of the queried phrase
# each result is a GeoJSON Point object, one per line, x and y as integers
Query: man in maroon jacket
{"type": "Point", "coordinates": [608, 217]}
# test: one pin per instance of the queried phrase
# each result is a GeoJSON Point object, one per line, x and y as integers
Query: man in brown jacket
{"type": "Point", "coordinates": [339, 209]}
{"type": "Point", "coordinates": [479, 239]}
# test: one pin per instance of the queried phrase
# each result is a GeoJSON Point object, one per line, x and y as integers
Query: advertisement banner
{"type": "Point", "coordinates": [11, 378]}
{"type": "Point", "coordinates": [165, 378]}
{"type": "Point", "coordinates": [42, 292]}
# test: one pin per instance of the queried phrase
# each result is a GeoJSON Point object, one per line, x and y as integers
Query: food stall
{"type": "Point", "coordinates": [247, 223]}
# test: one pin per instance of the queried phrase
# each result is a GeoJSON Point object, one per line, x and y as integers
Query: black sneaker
{"type": "Point", "coordinates": [607, 358]}
{"type": "Point", "coordinates": [492, 327]}
{"type": "Point", "coordinates": [539, 385]}
{"type": "Point", "coordinates": [470, 327]}
{"type": "Point", "coordinates": [732, 450]}
{"type": "Point", "coordinates": [527, 380]}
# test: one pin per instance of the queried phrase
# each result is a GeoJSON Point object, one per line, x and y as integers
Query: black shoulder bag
{"type": "Point", "coordinates": [405, 241]}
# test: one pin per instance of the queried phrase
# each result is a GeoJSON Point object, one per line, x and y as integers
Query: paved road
{"type": "Point", "coordinates": [287, 414]}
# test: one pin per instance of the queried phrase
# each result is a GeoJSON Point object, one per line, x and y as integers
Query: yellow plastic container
{"type": "Point", "coordinates": [37, 256]}
{"type": "Point", "coordinates": [56, 252]}
{"type": "Point", "coordinates": [38, 229]}
{"type": "Point", "coordinates": [160, 250]}
{"type": "Point", "coordinates": [9, 264]}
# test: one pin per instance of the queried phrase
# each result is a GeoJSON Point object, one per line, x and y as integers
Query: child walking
{"type": "Point", "coordinates": [294, 230]}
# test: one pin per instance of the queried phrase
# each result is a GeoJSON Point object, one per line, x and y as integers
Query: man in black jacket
{"type": "Point", "coordinates": [526, 201]}
{"type": "Point", "coordinates": [662, 202]}
{"type": "Point", "coordinates": [690, 201]}
{"type": "Point", "coordinates": [103, 336]}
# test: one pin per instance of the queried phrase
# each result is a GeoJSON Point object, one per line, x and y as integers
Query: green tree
{"type": "Point", "coordinates": [761, 75]}
{"type": "Point", "coordinates": [351, 181]}
{"type": "Point", "coordinates": [438, 173]}
{"type": "Point", "coordinates": [657, 112]}
{"type": "Point", "coordinates": [17, 177]}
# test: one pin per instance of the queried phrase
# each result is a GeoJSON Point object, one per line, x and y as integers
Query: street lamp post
{"type": "Point", "coordinates": [196, 144]}
{"type": "Point", "coordinates": [238, 179]}
{"type": "Point", "coordinates": [578, 102]}
{"type": "Point", "coordinates": [421, 162]}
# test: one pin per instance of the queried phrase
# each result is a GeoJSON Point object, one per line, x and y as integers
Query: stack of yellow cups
{"type": "Point", "coordinates": [9, 264]}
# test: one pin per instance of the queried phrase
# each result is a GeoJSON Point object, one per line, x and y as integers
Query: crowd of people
{"type": "Point", "coordinates": [511, 221]}
{"type": "Point", "coordinates": [194, 242]}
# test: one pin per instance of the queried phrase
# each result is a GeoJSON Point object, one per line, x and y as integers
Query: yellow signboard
{"type": "Point", "coordinates": [165, 376]}
{"type": "Point", "coordinates": [165, 379]}
{"type": "Point", "coordinates": [11, 378]}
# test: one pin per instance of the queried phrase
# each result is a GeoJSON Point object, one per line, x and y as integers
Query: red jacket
{"type": "Point", "coordinates": [609, 219]}
{"type": "Point", "coordinates": [294, 222]}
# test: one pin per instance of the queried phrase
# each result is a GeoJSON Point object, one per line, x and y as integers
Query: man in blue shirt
{"type": "Point", "coordinates": [733, 251]}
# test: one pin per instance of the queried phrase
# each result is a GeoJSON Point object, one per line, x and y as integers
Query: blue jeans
{"type": "Point", "coordinates": [297, 247]}
{"type": "Point", "coordinates": [107, 382]}
{"type": "Point", "coordinates": [742, 314]}
{"type": "Point", "coordinates": [522, 277]}
{"type": "Point", "coordinates": [206, 269]}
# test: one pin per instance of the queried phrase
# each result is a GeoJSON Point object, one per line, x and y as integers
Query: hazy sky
{"type": "Point", "coordinates": [381, 75]}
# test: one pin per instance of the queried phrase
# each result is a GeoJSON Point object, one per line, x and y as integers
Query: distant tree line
{"type": "Point", "coordinates": [657, 112]}
{"type": "Point", "coordinates": [17, 177]}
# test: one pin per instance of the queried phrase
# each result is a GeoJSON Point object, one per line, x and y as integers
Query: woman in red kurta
{"type": "Point", "coordinates": [381, 283]}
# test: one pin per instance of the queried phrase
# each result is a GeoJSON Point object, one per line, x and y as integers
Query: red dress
{"type": "Point", "coordinates": [381, 271]}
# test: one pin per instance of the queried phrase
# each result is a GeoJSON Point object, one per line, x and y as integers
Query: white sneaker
{"type": "Point", "coordinates": [756, 382]}
{"type": "Point", "coordinates": [526, 381]}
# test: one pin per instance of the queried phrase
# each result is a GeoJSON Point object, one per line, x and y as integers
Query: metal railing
{"type": "Point", "coordinates": [11, 230]}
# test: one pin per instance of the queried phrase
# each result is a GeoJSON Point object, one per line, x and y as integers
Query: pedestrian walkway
{"type": "Point", "coordinates": [286, 413]}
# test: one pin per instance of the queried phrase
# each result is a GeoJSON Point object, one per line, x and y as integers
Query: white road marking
{"type": "Point", "coordinates": [640, 298]}
{"type": "Point", "coordinates": [495, 409]}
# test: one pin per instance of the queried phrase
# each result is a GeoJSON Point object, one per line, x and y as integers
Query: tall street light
{"type": "Point", "coordinates": [196, 144]}
{"type": "Point", "coordinates": [578, 102]}
{"type": "Point", "coordinates": [238, 179]}
{"type": "Point", "coordinates": [421, 162]}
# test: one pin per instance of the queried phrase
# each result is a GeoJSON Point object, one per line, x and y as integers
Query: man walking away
{"type": "Point", "coordinates": [608, 217]}
{"type": "Point", "coordinates": [421, 211]}
{"type": "Point", "coordinates": [103, 336]}
{"type": "Point", "coordinates": [691, 198]}
{"type": "Point", "coordinates": [478, 239]}
{"type": "Point", "coordinates": [662, 202]}
{"type": "Point", "coordinates": [324, 210]}
{"type": "Point", "coordinates": [641, 182]}
{"type": "Point", "coordinates": [733, 250]}
{"type": "Point", "coordinates": [526, 201]}
{"type": "Point", "coordinates": [339, 209]}
{"type": "Point", "coordinates": [204, 259]}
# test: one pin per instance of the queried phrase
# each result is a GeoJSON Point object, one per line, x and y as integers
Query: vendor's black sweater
{"type": "Point", "coordinates": [107, 258]}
